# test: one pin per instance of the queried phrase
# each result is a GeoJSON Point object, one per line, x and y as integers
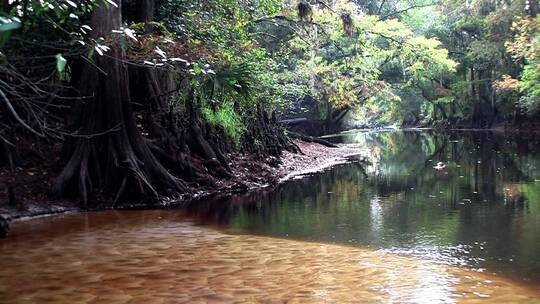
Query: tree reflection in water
{"type": "Point", "coordinates": [481, 210]}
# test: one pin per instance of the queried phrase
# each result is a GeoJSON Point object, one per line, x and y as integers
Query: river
{"type": "Point", "coordinates": [429, 218]}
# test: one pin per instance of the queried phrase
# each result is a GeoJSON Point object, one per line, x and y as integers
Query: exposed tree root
{"type": "Point", "coordinates": [8, 155]}
{"type": "Point", "coordinates": [116, 159]}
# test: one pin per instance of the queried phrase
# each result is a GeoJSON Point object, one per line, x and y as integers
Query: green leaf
{"type": "Point", "coordinates": [6, 26]}
{"type": "Point", "coordinates": [60, 63]}
{"type": "Point", "coordinates": [197, 68]}
{"type": "Point", "coordinates": [4, 37]}
{"type": "Point", "coordinates": [9, 25]}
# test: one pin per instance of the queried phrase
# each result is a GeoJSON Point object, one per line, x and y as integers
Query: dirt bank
{"type": "Point", "coordinates": [28, 186]}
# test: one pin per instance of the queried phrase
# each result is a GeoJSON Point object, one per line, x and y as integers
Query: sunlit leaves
{"type": "Point", "coordinates": [6, 26]}
{"type": "Point", "coordinates": [127, 32]}
{"type": "Point", "coordinates": [9, 24]}
{"type": "Point", "coordinates": [55, 24]}
{"type": "Point", "coordinates": [347, 68]}
{"type": "Point", "coordinates": [60, 63]}
{"type": "Point", "coordinates": [110, 2]}
{"type": "Point", "coordinates": [526, 42]}
{"type": "Point", "coordinates": [526, 46]}
{"type": "Point", "coordinates": [507, 83]}
{"type": "Point", "coordinates": [269, 7]}
{"type": "Point", "coordinates": [228, 119]}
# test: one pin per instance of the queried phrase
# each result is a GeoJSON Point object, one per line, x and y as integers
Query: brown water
{"type": "Point", "coordinates": [161, 257]}
{"type": "Point", "coordinates": [481, 211]}
{"type": "Point", "coordinates": [392, 231]}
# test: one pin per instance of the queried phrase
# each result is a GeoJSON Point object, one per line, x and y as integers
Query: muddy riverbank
{"type": "Point", "coordinates": [248, 174]}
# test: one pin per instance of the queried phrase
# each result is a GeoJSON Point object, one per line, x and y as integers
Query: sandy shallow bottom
{"type": "Point", "coordinates": [160, 257]}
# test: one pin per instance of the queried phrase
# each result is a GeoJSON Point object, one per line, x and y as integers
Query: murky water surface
{"type": "Point", "coordinates": [480, 206]}
{"type": "Point", "coordinates": [396, 230]}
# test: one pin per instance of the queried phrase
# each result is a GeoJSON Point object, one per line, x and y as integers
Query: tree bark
{"type": "Point", "coordinates": [119, 156]}
{"type": "Point", "coordinates": [146, 10]}
{"type": "Point", "coordinates": [534, 8]}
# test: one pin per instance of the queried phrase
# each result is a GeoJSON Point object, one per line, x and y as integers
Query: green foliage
{"type": "Point", "coordinates": [530, 80]}
{"type": "Point", "coordinates": [443, 100]}
{"type": "Point", "coordinates": [268, 7]}
{"type": "Point", "coordinates": [42, 29]}
{"type": "Point", "coordinates": [477, 35]}
{"type": "Point", "coordinates": [61, 63]}
{"type": "Point", "coordinates": [472, 26]}
{"type": "Point", "coordinates": [240, 71]}
{"type": "Point", "coordinates": [526, 46]}
{"type": "Point", "coordinates": [219, 23]}
{"type": "Point", "coordinates": [228, 119]}
{"type": "Point", "coordinates": [483, 55]}
{"type": "Point", "coordinates": [7, 25]}
{"type": "Point", "coordinates": [387, 59]}
{"type": "Point", "coordinates": [359, 65]}
{"type": "Point", "coordinates": [232, 81]}
{"type": "Point", "coordinates": [54, 18]}
{"type": "Point", "coordinates": [529, 86]}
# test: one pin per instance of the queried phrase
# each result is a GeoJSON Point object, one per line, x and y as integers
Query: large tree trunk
{"type": "Point", "coordinates": [145, 10]}
{"type": "Point", "coordinates": [534, 8]}
{"type": "Point", "coordinates": [112, 151]}
{"type": "Point", "coordinates": [473, 87]}
{"type": "Point", "coordinates": [171, 142]}
{"type": "Point", "coordinates": [328, 120]}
